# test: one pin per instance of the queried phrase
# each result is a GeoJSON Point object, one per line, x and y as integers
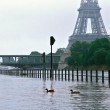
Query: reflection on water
{"type": "Point", "coordinates": [18, 93]}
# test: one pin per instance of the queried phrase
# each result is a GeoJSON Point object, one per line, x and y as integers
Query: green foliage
{"type": "Point", "coordinates": [35, 53]}
{"type": "Point", "coordinates": [99, 56]}
{"type": "Point", "coordinates": [94, 53]}
{"type": "Point", "coordinates": [60, 51]}
{"type": "Point", "coordinates": [78, 54]}
{"type": "Point", "coordinates": [108, 59]}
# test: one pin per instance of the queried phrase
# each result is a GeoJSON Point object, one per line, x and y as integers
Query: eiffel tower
{"type": "Point", "coordinates": [89, 9]}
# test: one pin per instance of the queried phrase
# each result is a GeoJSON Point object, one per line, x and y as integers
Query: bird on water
{"type": "Point", "coordinates": [51, 90]}
{"type": "Point", "coordinates": [74, 92]}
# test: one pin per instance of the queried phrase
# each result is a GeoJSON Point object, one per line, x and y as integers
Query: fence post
{"type": "Point", "coordinates": [72, 75]}
{"type": "Point", "coordinates": [102, 76]}
{"type": "Point", "coordinates": [77, 75]}
{"type": "Point", "coordinates": [47, 73]}
{"type": "Point", "coordinates": [91, 75]}
{"type": "Point", "coordinates": [62, 74]}
{"type": "Point", "coordinates": [82, 75]}
{"type": "Point", "coordinates": [59, 74]}
{"type": "Point", "coordinates": [65, 74]}
{"type": "Point", "coordinates": [109, 76]}
{"type": "Point", "coordinates": [55, 74]}
{"type": "Point", "coordinates": [68, 75]}
{"type": "Point", "coordinates": [86, 75]}
{"type": "Point", "coordinates": [40, 73]}
{"type": "Point", "coordinates": [96, 76]}
{"type": "Point", "coordinates": [31, 73]}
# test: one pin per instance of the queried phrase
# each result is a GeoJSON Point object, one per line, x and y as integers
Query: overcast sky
{"type": "Point", "coordinates": [26, 25]}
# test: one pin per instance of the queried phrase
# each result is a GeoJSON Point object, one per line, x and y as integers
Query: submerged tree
{"type": "Point", "coordinates": [94, 53]}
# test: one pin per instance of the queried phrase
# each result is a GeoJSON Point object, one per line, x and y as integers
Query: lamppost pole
{"type": "Point", "coordinates": [52, 40]}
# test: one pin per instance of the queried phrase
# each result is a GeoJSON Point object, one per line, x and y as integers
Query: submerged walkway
{"type": "Point", "coordinates": [73, 75]}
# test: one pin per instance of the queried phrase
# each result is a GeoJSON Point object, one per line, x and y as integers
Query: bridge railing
{"type": "Point", "coordinates": [29, 60]}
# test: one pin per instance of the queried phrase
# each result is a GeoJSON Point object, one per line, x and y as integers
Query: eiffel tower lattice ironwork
{"type": "Point", "coordinates": [89, 9]}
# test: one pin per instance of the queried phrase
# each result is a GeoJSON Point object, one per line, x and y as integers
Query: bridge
{"type": "Point", "coordinates": [26, 61]}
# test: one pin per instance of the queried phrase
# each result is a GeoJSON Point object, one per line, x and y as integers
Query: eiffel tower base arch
{"type": "Point", "coordinates": [82, 38]}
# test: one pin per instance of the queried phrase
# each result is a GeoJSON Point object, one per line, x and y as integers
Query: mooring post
{"type": "Point", "coordinates": [109, 77]}
{"type": "Point", "coordinates": [47, 73]}
{"type": "Point", "coordinates": [77, 75]}
{"type": "Point", "coordinates": [91, 75]}
{"type": "Point", "coordinates": [44, 73]}
{"type": "Point", "coordinates": [50, 73]}
{"type": "Point", "coordinates": [55, 74]}
{"type": "Point", "coordinates": [62, 74]}
{"type": "Point", "coordinates": [35, 72]}
{"type": "Point", "coordinates": [102, 76]}
{"type": "Point", "coordinates": [68, 75]}
{"type": "Point", "coordinates": [72, 75]}
{"type": "Point", "coordinates": [82, 75]}
{"type": "Point", "coordinates": [32, 73]}
{"type": "Point", "coordinates": [96, 76]}
{"type": "Point", "coordinates": [59, 74]}
{"type": "Point", "coordinates": [40, 73]}
{"type": "Point", "coordinates": [86, 75]}
{"type": "Point", "coordinates": [27, 73]}
{"type": "Point", "coordinates": [65, 74]}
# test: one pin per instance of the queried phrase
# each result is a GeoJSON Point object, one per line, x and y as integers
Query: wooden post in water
{"type": "Point", "coordinates": [35, 71]}
{"type": "Point", "coordinates": [68, 75]}
{"type": "Point", "coordinates": [91, 75]}
{"type": "Point", "coordinates": [51, 73]}
{"type": "Point", "coordinates": [82, 75]}
{"type": "Point", "coordinates": [47, 73]}
{"type": "Point", "coordinates": [102, 76]}
{"type": "Point", "coordinates": [32, 73]}
{"type": "Point", "coordinates": [44, 73]}
{"type": "Point", "coordinates": [72, 75]}
{"type": "Point", "coordinates": [65, 74]}
{"type": "Point", "coordinates": [59, 74]}
{"type": "Point", "coordinates": [109, 77]}
{"type": "Point", "coordinates": [40, 73]}
{"type": "Point", "coordinates": [77, 75]}
{"type": "Point", "coordinates": [55, 74]}
{"type": "Point", "coordinates": [62, 74]}
{"type": "Point", "coordinates": [27, 74]}
{"type": "Point", "coordinates": [96, 76]}
{"type": "Point", "coordinates": [86, 75]}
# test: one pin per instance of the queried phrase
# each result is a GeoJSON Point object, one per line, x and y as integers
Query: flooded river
{"type": "Point", "coordinates": [20, 93]}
